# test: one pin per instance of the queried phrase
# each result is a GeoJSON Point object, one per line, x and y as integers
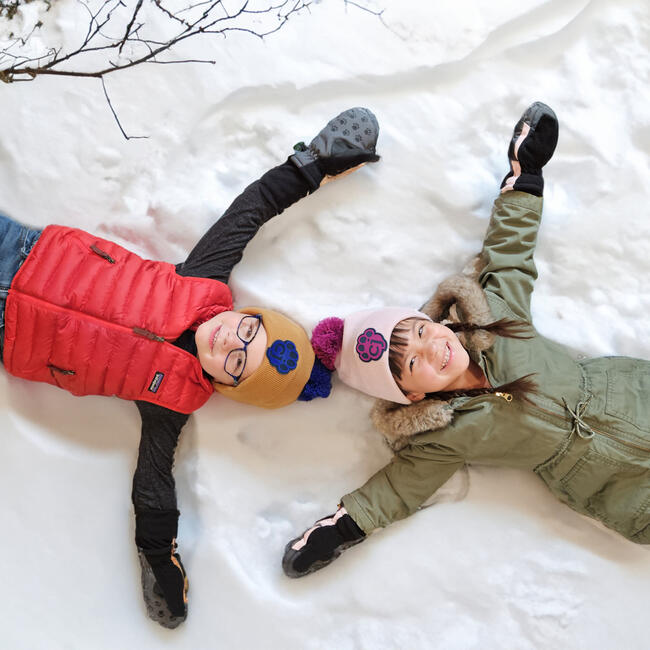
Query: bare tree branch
{"type": "Point", "coordinates": [137, 28]}
{"type": "Point", "coordinates": [130, 25]}
{"type": "Point", "coordinates": [378, 14]}
{"type": "Point", "coordinates": [110, 105]}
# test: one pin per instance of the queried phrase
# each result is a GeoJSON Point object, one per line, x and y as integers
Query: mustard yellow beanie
{"type": "Point", "coordinates": [286, 366]}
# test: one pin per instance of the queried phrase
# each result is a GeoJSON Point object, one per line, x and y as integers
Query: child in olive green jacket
{"type": "Point", "coordinates": [497, 393]}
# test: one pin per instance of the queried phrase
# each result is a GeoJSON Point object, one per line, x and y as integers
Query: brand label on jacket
{"type": "Point", "coordinates": [157, 380]}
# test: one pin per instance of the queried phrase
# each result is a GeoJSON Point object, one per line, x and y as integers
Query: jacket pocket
{"type": "Point", "coordinates": [65, 378]}
{"type": "Point", "coordinates": [611, 487]}
{"type": "Point", "coordinates": [628, 393]}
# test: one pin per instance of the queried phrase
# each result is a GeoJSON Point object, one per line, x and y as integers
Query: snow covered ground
{"type": "Point", "coordinates": [507, 566]}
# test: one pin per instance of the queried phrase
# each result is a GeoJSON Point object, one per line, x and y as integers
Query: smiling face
{"type": "Point", "coordinates": [432, 359]}
{"type": "Point", "coordinates": [218, 336]}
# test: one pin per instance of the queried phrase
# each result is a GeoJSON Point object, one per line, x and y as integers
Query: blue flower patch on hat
{"type": "Point", "coordinates": [283, 356]}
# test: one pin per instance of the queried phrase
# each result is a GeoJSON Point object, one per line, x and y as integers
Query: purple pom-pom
{"type": "Point", "coordinates": [326, 339]}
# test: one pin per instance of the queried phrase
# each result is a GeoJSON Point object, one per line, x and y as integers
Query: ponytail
{"type": "Point", "coordinates": [519, 389]}
{"type": "Point", "coordinates": [506, 327]}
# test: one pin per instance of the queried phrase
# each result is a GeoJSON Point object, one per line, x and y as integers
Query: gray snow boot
{"type": "Point", "coordinates": [347, 140]}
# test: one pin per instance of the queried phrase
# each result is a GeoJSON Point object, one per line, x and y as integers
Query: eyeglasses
{"type": "Point", "coordinates": [236, 359]}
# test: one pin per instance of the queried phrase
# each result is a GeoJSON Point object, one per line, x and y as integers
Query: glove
{"type": "Point", "coordinates": [164, 583]}
{"type": "Point", "coordinates": [164, 587]}
{"type": "Point", "coordinates": [533, 143]}
{"type": "Point", "coordinates": [321, 544]}
{"type": "Point", "coordinates": [347, 140]}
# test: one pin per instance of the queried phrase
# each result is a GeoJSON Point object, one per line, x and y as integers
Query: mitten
{"type": "Point", "coordinates": [321, 544]}
{"type": "Point", "coordinates": [164, 583]}
{"type": "Point", "coordinates": [531, 147]}
{"type": "Point", "coordinates": [347, 140]}
{"type": "Point", "coordinates": [164, 588]}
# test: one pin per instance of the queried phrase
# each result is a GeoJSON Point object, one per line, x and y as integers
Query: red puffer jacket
{"type": "Point", "coordinates": [89, 316]}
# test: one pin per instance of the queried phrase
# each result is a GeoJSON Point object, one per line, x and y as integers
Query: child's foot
{"type": "Point", "coordinates": [532, 145]}
{"type": "Point", "coordinates": [346, 142]}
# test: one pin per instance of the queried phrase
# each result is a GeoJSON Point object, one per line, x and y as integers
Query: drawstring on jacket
{"type": "Point", "coordinates": [580, 427]}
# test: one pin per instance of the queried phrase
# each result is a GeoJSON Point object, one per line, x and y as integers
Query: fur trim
{"type": "Point", "coordinates": [458, 298]}
{"type": "Point", "coordinates": [398, 423]}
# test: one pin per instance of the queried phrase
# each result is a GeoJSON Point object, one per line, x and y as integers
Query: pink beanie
{"type": "Point", "coordinates": [358, 348]}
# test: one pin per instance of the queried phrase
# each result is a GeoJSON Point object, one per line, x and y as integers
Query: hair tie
{"type": "Point", "coordinates": [327, 339]}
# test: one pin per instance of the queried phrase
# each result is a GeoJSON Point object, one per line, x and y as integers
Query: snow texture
{"type": "Point", "coordinates": [505, 567]}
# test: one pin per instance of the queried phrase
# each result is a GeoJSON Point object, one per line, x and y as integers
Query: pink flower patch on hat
{"type": "Point", "coordinates": [370, 345]}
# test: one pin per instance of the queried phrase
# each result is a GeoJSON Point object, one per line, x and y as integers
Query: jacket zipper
{"type": "Point", "coordinates": [508, 398]}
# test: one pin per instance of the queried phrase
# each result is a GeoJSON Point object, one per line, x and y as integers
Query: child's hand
{"type": "Point", "coordinates": [346, 142]}
{"type": "Point", "coordinates": [327, 179]}
{"type": "Point", "coordinates": [341, 164]}
{"type": "Point", "coordinates": [533, 142]}
{"type": "Point", "coordinates": [321, 544]}
{"type": "Point", "coordinates": [164, 587]}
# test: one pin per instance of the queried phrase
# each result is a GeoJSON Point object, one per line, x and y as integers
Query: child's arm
{"type": "Point", "coordinates": [401, 487]}
{"type": "Point", "coordinates": [509, 270]}
{"type": "Point", "coordinates": [223, 245]}
{"type": "Point", "coordinates": [393, 493]}
{"type": "Point", "coordinates": [156, 515]}
{"type": "Point", "coordinates": [346, 142]}
{"type": "Point", "coordinates": [510, 241]}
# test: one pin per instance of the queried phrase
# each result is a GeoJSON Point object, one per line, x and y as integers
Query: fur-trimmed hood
{"type": "Point", "coordinates": [457, 298]}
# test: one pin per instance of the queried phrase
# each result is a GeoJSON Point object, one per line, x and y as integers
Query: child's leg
{"type": "Point", "coordinates": [16, 241]}
{"type": "Point", "coordinates": [347, 141]}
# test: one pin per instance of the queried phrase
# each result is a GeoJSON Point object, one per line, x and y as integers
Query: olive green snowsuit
{"type": "Point", "coordinates": [587, 436]}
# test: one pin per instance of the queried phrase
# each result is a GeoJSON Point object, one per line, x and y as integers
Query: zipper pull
{"type": "Point", "coordinates": [506, 396]}
{"type": "Point", "coordinates": [148, 335]}
{"type": "Point", "coordinates": [61, 371]}
{"type": "Point", "coordinates": [98, 251]}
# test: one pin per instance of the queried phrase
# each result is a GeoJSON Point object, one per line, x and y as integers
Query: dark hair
{"type": "Point", "coordinates": [505, 327]}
